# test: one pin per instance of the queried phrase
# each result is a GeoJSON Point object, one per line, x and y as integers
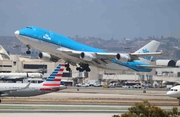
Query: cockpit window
{"type": "Point", "coordinates": [175, 90]}
{"type": "Point", "coordinates": [29, 27]}
{"type": "Point", "coordinates": [171, 89]}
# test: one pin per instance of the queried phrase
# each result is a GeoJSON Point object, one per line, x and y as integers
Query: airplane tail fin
{"type": "Point", "coordinates": [148, 48]}
{"type": "Point", "coordinates": [54, 78]}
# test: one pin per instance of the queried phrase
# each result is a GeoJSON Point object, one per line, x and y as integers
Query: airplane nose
{"type": "Point", "coordinates": [168, 93]}
{"type": "Point", "coordinates": [16, 32]}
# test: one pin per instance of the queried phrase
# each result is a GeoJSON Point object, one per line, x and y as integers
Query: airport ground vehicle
{"type": "Point", "coordinates": [130, 85]}
{"type": "Point", "coordinates": [137, 86]}
{"type": "Point", "coordinates": [82, 85]}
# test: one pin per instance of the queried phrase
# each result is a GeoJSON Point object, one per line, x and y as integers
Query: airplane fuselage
{"type": "Point", "coordinates": [32, 90]}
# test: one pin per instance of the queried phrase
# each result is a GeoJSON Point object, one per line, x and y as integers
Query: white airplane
{"type": "Point", "coordinates": [55, 46]}
{"type": "Point", "coordinates": [20, 75]}
{"type": "Point", "coordinates": [174, 92]}
{"type": "Point", "coordinates": [51, 84]}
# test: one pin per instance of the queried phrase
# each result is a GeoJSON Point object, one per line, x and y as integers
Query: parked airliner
{"type": "Point", "coordinates": [51, 84]}
{"type": "Point", "coordinates": [20, 75]}
{"type": "Point", "coordinates": [56, 46]}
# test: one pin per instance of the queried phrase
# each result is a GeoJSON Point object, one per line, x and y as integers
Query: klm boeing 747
{"type": "Point", "coordinates": [56, 46]}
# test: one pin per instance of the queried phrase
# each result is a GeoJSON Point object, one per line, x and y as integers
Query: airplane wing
{"type": "Point", "coordinates": [12, 90]}
{"type": "Point", "coordinates": [94, 57]}
{"type": "Point", "coordinates": [105, 58]}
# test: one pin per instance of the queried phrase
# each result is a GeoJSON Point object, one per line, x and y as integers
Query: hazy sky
{"type": "Point", "coordinates": [99, 18]}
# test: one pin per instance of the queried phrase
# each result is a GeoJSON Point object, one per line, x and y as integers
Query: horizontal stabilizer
{"type": "Point", "coordinates": [147, 54]}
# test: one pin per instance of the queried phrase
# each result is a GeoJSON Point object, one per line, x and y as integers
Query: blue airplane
{"type": "Point", "coordinates": [55, 46]}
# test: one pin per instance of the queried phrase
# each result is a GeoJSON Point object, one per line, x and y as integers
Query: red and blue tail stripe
{"type": "Point", "coordinates": [55, 78]}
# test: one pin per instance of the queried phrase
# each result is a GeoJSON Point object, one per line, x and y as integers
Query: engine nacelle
{"type": "Point", "coordinates": [47, 57]}
{"type": "Point", "coordinates": [122, 57]}
{"type": "Point", "coordinates": [86, 56]}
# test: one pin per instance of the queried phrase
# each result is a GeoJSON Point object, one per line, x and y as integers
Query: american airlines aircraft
{"type": "Point", "coordinates": [56, 46]}
{"type": "Point", "coordinates": [51, 84]}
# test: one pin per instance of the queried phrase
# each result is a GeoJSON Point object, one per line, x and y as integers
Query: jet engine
{"type": "Point", "coordinates": [122, 57]}
{"type": "Point", "coordinates": [47, 57]}
{"type": "Point", "coordinates": [86, 56]}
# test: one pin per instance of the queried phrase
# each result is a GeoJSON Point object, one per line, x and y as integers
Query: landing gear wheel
{"type": "Point", "coordinates": [88, 69]}
{"type": "Point", "coordinates": [68, 69]}
{"type": "Point", "coordinates": [28, 52]}
{"type": "Point", "coordinates": [81, 70]}
{"type": "Point", "coordinates": [77, 68]}
{"type": "Point", "coordinates": [0, 100]}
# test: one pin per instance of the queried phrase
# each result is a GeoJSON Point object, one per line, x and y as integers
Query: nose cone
{"type": "Point", "coordinates": [16, 32]}
{"type": "Point", "coordinates": [168, 93]}
{"type": "Point", "coordinates": [172, 94]}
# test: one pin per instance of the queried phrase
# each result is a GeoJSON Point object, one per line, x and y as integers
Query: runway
{"type": "Point", "coordinates": [85, 102]}
{"type": "Point", "coordinates": [97, 96]}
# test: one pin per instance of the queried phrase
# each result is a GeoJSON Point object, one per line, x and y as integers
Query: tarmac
{"type": "Point", "coordinates": [84, 102]}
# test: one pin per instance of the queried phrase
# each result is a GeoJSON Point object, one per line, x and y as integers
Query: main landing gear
{"type": "Point", "coordinates": [67, 67]}
{"type": "Point", "coordinates": [83, 67]}
{"type": "Point", "coordinates": [28, 51]}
